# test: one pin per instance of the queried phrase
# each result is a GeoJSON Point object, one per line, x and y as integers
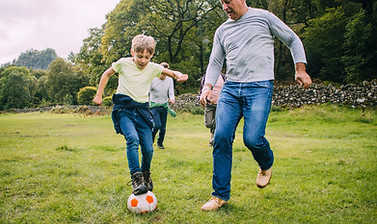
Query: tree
{"type": "Point", "coordinates": [323, 39]}
{"type": "Point", "coordinates": [90, 59]}
{"type": "Point", "coordinates": [34, 59]}
{"type": "Point", "coordinates": [341, 45]}
{"type": "Point", "coordinates": [359, 52]}
{"type": "Point", "coordinates": [64, 81]}
{"type": "Point", "coordinates": [16, 86]}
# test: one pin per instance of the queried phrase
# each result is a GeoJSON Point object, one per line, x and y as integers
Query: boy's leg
{"type": "Point", "coordinates": [209, 120]}
{"type": "Point", "coordinates": [127, 124]}
{"type": "Point", "coordinates": [209, 116]}
{"type": "Point", "coordinates": [126, 120]}
{"type": "Point", "coordinates": [146, 145]}
{"type": "Point", "coordinates": [157, 122]}
{"type": "Point", "coordinates": [163, 119]}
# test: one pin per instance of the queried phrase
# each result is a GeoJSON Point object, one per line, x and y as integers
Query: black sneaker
{"type": "Point", "coordinates": [138, 185]}
{"type": "Point", "coordinates": [160, 146]}
{"type": "Point", "coordinates": [148, 180]}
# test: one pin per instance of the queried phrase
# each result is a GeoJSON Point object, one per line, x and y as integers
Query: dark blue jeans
{"type": "Point", "coordinates": [136, 132]}
{"type": "Point", "coordinates": [253, 102]}
{"type": "Point", "coordinates": [160, 115]}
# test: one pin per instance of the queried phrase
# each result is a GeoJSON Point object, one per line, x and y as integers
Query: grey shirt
{"type": "Point", "coordinates": [247, 45]}
{"type": "Point", "coordinates": [161, 90]}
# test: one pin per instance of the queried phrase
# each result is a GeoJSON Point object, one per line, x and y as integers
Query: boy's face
{"type": "Point", "coordinates": [141, 59]}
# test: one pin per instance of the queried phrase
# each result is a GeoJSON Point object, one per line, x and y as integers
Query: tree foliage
{"type": "Point", "coordinates": [341, 44]}
{"type": "Point", "coordinates": [339, 39]}
{"type": "Point", "coordinates": [64, 81]}
{"type": "Point", "coordinates": [34, 59]}
{"type": "Point", "coordinates": [16, 88]}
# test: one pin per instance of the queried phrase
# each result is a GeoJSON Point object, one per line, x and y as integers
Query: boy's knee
{"type": "Point", "coordinates": [132, 140]}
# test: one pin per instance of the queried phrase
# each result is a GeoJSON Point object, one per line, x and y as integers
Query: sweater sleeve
{"type": "Point", "coordinates": [171, 90]}
{"type": "Point", "coordinates": [288, 37]}
{"type": "Point", "coordinates": [216, 61]}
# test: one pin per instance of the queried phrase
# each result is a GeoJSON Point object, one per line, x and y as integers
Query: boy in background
{"type": "Point", "coordinates": [161, 92]}
{"type": "Point", "coordinates": [131, 114]}
{"type": "Point", "coordinates": [210, 107]}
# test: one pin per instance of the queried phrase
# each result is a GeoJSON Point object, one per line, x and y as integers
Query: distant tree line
{"type": "Point", "coordinates": [339, 37]}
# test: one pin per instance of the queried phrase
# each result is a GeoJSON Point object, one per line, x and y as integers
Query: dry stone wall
{"type": "Point", "coordinates": [293, 96]}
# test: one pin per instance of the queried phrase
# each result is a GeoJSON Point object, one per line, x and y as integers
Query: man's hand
{"type": "Point", "coordinates": [205, 96]}
{"type": "Point", "coordinates": [303, 79]}
{"type": "Point", "coordinates": [301, 76]}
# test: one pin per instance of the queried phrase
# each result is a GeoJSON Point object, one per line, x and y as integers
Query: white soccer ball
{"type": "Point", "coordinates": [142, 203]}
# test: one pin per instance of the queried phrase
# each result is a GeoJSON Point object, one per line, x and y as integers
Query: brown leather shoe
{"type": "Point", "coordinates": [264, 177]}
{"type": "Point", "coordinates": [213, 204]}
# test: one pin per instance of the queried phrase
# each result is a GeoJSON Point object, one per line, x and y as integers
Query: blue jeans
{"type": "Point", "coordinates": [253, 102]}
{"type": "Point", "coordinates": [136, 132]}
{"type": "Point", "coordinates": [160, 115]}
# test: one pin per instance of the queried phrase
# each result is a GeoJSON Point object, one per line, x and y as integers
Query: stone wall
{"type": "Point", "coordinates": [293, 96]}
{"type": "Point", "coordinates": [364, 94]}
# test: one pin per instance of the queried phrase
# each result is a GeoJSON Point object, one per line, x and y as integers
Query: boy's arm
{"type": "Point", "coordinates": [175, 75]}
{"type": "Point", "coordinates": [102, 83]}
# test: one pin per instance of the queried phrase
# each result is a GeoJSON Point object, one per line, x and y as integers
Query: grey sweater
{"type": "Point", "coordinates": [161, 90]}
{"type": "Point", "coordinates": [247, 44]}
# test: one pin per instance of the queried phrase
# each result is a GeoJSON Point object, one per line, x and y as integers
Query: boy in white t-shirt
{"type": "Point", "coordinates": [131, 114]}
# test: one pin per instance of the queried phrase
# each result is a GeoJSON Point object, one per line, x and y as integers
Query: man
{"type": "Point", "coordinates": [246, 42]}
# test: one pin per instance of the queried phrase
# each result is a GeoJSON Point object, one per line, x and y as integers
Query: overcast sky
{"type": "Point", "coordinates": [39, 24]}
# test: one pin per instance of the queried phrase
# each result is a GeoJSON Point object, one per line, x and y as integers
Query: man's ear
{"type": "Point", "coordinates": [132, 53]}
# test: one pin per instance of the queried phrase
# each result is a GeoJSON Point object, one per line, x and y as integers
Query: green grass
{"type": "Point", "coordinates": [73, 169]}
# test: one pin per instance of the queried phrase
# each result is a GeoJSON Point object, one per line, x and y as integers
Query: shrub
{"type": "Point", "coordinates": [86, 95]}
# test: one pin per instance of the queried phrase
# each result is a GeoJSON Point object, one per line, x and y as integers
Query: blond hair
{"type": "Point", "coordinates": [142, 42]}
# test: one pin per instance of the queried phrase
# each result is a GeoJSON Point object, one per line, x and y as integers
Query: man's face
{"type": "Point", "coordinates": [141, 59]}
{"type": "Point", "coordinates": [234, 8]}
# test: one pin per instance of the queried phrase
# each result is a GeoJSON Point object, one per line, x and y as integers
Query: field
{"type": "Point", "coordinates": [67, 168]}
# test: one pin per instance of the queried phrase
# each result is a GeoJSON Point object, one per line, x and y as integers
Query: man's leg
{"type": "Point", "coordinates": [257, 105]}
{"type": "Point", "coordinates": [228, 114]}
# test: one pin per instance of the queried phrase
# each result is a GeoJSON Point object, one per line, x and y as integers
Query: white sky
{"type": "Point", "coordinates": [39, 24]}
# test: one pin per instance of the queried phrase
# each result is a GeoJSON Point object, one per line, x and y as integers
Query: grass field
{"type": "Point", "coordinates": [66, 168]}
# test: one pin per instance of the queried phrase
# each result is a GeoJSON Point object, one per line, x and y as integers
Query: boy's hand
{"type": "Point", "coordinates": [182, 78]}
{"type": "Point", "coordinates": [97, 100]}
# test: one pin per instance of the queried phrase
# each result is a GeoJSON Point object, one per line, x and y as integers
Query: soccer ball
{"type": "Point", "coordinates": [142, 203]}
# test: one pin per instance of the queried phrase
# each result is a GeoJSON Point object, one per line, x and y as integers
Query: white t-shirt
{"type": "Point", "coordinates": [134, 82]}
